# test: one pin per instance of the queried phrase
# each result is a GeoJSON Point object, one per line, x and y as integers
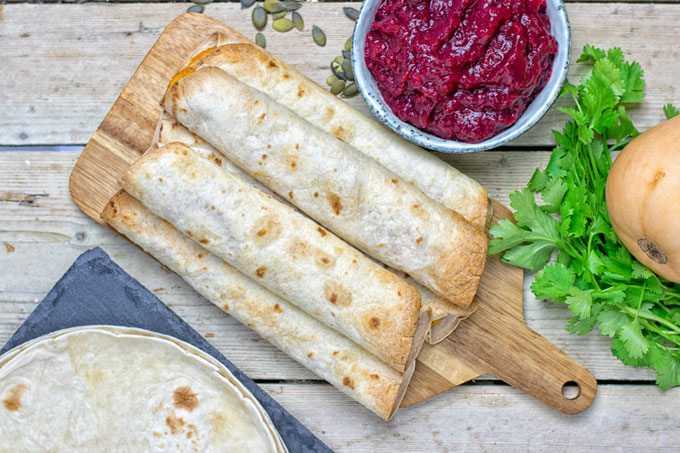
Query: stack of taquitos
{"type": "Point", "coordinates": [345, 298]}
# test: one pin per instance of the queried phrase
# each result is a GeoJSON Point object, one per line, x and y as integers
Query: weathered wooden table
{"type": "Point", "coordinates": [62, 66]}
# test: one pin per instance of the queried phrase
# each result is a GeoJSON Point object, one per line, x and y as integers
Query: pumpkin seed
{"type": "Point", "coordinates": [247, 3]}
{"type": "Point", "coordinates": [338, 87]}
{"type": "Point", "coordinates": [259, 17]}
{"type": "Point", "coordinates": [348, 44]}
{"type": "Point", "coordinates": [351, 13]}
{"type": "Point", "coordinates": [273, 6]}
{"type": "Point", "coordinates": [283, 25]}
{"type": "Point", "coordinates": [319, 36]}
{"type": "Point", "coordinates": [298, 21]}
{"type": "Point", "coordinates": [196, 9]}
{"type": "Point", "coordinates": [260, 40]}
{"type": "Point", "coordinates": [201, 2]}
{"type": "Point", "coordinates": [339, 59]}
{"type": "Point", "coordinates": [279, 15]}
{"type": "Point", "coordinates": [350, 90]}
{"type": "Point", "coordinates": [347, 54]}
{"type": "Point", "coordinates": [290, 5]}
{"type": "Point", "coordinates": [337, 71]}
{"type": "Point", "coordinates": [331, 80]}
{"type": "Point", "coordinates": [347, 69]}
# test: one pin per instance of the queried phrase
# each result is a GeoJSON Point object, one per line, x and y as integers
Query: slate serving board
{"type": "Point", "coordinates": [95, 290]}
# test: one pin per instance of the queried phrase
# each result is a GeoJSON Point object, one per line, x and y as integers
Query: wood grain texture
{"type": "Point", "coordinates": [491, 418]}
{"type": "Point", "coordinates": [50, 232]}
{"type": "Point", "coordinates": [68, 63]}
{"type": "Point", "coordinates": [127, 132]}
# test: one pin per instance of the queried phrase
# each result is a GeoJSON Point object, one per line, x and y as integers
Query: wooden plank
{"type": "Point", "coordinates": [49, 106]}
{"type": "Point", "coordinates": [491, 418]}
{"type": "Point", "coordinates": [49, 228]}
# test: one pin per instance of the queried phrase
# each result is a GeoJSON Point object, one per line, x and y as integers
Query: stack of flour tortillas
{"type": "Point", "coordinates": [120, 389]}
{"type": "Point", "coordinates": [335, 240]}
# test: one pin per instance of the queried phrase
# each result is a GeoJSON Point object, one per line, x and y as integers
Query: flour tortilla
{"type": "Point", "coordinates": [445, 316]}
{"type": "Point", "coordinates": [339, 187]}
{"type": "Point", "coordinates": [330, 355]}
{"type": "Point", "coordinates": [262, 71]}
{"type": "Point", "coordinates": [283, 250]}
{"type": "Point", "coordinates": [105, 388]}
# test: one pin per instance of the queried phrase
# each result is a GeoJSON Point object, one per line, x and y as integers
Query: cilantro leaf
{"type": "Point", "coordinates": [670, 111]}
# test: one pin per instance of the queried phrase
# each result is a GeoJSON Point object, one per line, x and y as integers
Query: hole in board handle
{"type": "Point", "coordinates": [571, 390]}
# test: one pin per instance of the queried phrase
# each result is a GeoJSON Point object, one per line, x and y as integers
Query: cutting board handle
{"type": "Point", "coordinates": [503, 345]}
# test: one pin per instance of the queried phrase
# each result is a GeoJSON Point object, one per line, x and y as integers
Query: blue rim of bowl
{"type": "Point", "coordinates": [363, 78]}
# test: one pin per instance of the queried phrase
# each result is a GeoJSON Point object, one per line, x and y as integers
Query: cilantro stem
{"type": "Point", "coordinates": [642, 295]}
{"type": "Point", "coordinates": [652, 317]}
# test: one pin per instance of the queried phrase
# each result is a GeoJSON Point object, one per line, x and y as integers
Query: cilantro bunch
{"type": "Point", "coordinates": [563, 229]}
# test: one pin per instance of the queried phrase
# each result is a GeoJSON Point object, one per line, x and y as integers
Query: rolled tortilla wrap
{"type": "Point", "coordinates": [445, 315]}
{"type": "Point", "coordinates": [262, 71]}
{"type": "Point", "coordinates": [341, 188]}
{"type": "Point", "coordinates": [330, 355]}
{"type": "Point", "coordinates": [285, 251]}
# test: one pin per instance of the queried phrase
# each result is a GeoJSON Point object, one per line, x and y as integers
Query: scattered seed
{"type": "Point", "coordinates": [339, 59]}
{"type": "Point", "coordinates": [298, 21]}
{"type": "Point", "coordinates": [347, 69]}
{"type": "Point", "coordinates": [247, 3]}
{"type": "Point", "coordinates": [331, 80]}
{"type": "Point", "coordinates": [283, 25]}
{"type": "Point", "coordinates": [196, 9]}
{"type": "Point", "coordinates": [348, 44]}
{"type": "Point", "coordinates": [260, 40]}
{"type": "Point", "coordinates": [201, 2]}
{"type": "Point", "coordinates": [319, 36]}
{"type": "Point", "coordinates": [346, 54]}
{"type": "Point", "coordinates": [279, 15]}
{"type": "Point", "coordinates": [290, 5]}
{"type": "Point", "coordinates": [273, 6]}
{"type": "Point", "coordinates": [337, 87]}
{"type": "Point", "coordinates": [350, 90]}
{"type": "Point", "coordinates": [351, 13]}
{"type": "Point", "coordinates": [259, 17]}
{"type": "Point", "coordinates": [337, 70]}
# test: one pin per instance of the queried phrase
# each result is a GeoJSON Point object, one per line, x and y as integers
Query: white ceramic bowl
{"type": "Point", "coordinates": [369, 89]}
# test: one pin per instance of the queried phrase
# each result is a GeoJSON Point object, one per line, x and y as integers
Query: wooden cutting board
{"type": "Point", "coordinates": [494, 340]}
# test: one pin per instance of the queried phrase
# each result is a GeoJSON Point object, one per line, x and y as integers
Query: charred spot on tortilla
{"type": "Point", "coordinates": [273, 64]}
{"type": "Point", "coordinates": [337, 294]}
{"type": "Point", "coordinates": [375, 377]}
{"type": "Point", "coordinates": [184, 398]}
{"type": "Point", "coordinates": [310, 354]}
{"type": "Point", "coordinates": [335, 353]}
{"type": "Point", "coordinates": [301, 91]}
{"type": "Point", "coordinates": [316, 194]}
{"type": "Point", "coordinates": [260, 271]}
{"type": "Point", "coordinates": [174, 422]}
{"type": "Point", "coordinates": [395, 181]}
{"type": "Point", "coordinates": [264, 157]}
{"type": "Point", "coordinates": [262, 117]}
{"type": "Point", "coordinates": [204, 241]}
{"type": "Point", "coordinates": [292, 162]}
{"type": "Point", "coordinates": [348, 382]}
{"type": "Point", "coordinates": [419, 239]}
{"type": "Point", "coordinates": [12, 401]}
{"type": "Point", "coordinates": [277, 308]}
{"type": "Point", "coordinates": [225, 307]}
{"type": "Point", "coordinates": [374, 322]}
{"type": "Point", "coordinates": [335, 203]}
{"type": "Point", "coordinates": [321, 231]}
{"type": "Point", "coordinates": [290, 194]}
